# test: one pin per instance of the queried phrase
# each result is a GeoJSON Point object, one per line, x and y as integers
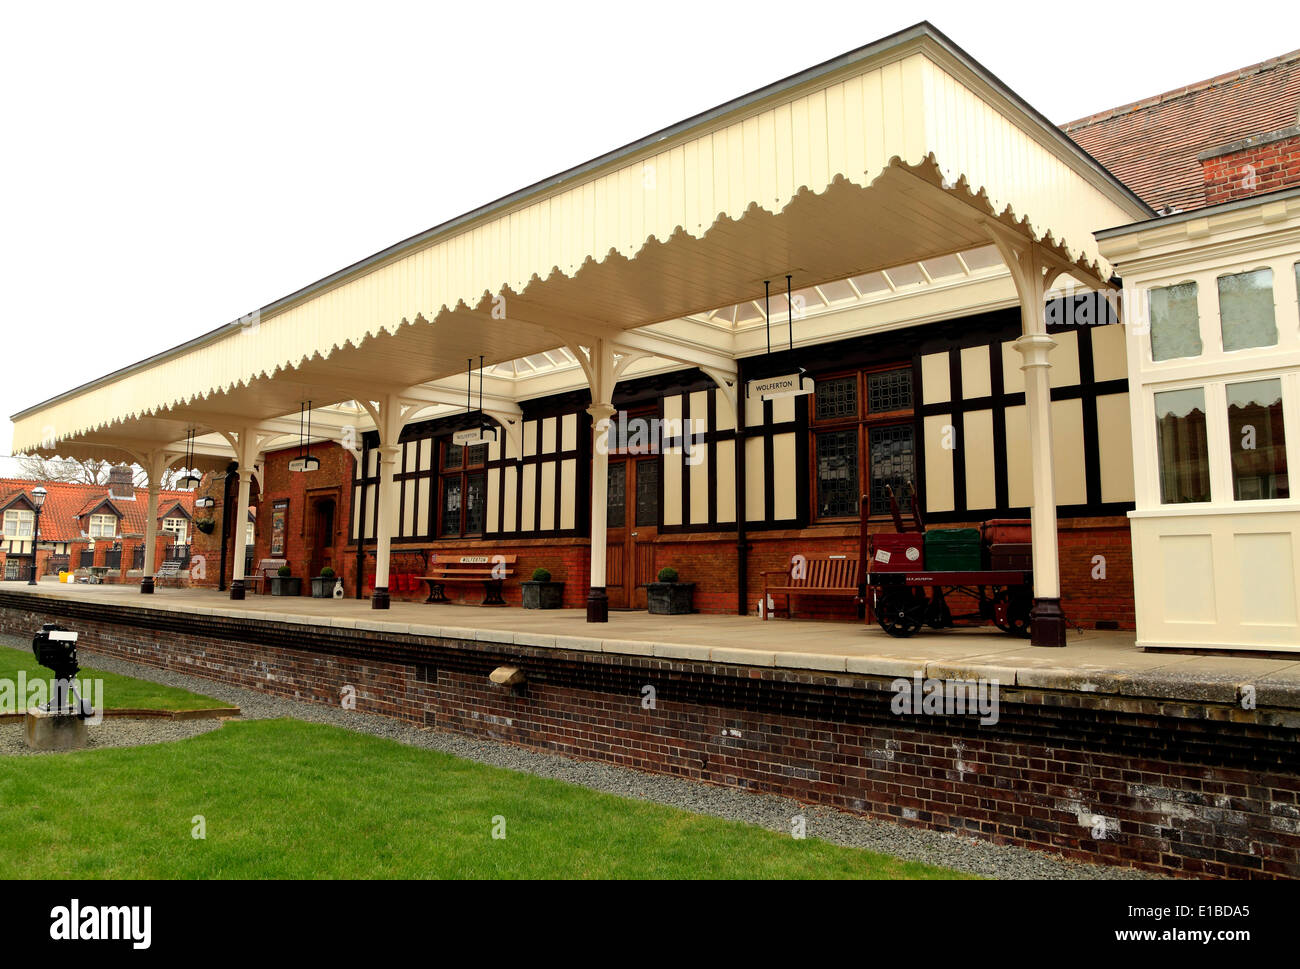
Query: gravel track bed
{"type": "Point", "coordinates": [962, 853]}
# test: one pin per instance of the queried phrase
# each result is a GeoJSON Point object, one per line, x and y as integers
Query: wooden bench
{"type": "Point", "coordinates": [263, 572]}
{"type": "Point", "coordinates": [818, 575]}
{"type": "Point", "coordinates": [457, 568]}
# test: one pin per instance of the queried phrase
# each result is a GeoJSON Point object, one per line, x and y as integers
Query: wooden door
{"type": "Point", "coordinates": [320, 536]}
{"type": "Point", "coordinates": [632, 524]}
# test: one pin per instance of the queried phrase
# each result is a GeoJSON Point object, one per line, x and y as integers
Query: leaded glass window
{"type": "Point", "coordinates": [893, 461]}
{"type": "Point", "coordinates": [837, 397]}
{"type": "Point", "coordinates": [837, 474]}
{"type": "Point", "coordinates": [647, 493]}
{"type": "Point", "coordinates": [889, 391]}
{"type": "Point", "coordinates": [616, 496]}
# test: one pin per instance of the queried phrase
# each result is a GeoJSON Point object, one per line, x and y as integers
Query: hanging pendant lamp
{"type": "Point", "coordinates": [305, 461]}
{"type": "Point", "coordinates": [188, 481]}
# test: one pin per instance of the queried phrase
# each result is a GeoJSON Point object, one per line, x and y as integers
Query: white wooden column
{"type": "Point", "coordinates": [387, 496]}
{"type": "Point", "coordinates": [1033, 278]}
{"type": "Point", "coordinates": [388, 421]}
{"type": "Point", "coordinates": [155, 465]}
{"type": "Point", "coordinates": [150, 536]}
{"type": "Point", "coordinates": [246, 452]}
{"type": "Point", "coordinates": [603, 363]}
{"type": "Point", "coordinates": [241, 532]}
{"type": "Point", "coordinates": [597, 602]}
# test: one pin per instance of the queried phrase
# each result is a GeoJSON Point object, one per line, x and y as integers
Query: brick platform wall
{"type": "Point", "coordinates": [1188, 788]}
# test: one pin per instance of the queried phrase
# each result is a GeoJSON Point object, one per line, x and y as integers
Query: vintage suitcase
{"type": "Point", "coordinates": [953, 550]}
{"type": "Point", "coordinates": [1011, 557]}
{"type": "Point", "coordinates": [1006, 531]}
{"type": "Point", "coordinates": [897, 553]}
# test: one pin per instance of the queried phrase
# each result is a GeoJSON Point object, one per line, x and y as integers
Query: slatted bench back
{"type": "Point", "coordinates": [828, 572]}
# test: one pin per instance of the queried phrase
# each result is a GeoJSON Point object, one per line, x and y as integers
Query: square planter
{"type": "Point", "coordinates": [288, 586]}
{"type": "Point", "coordinates": [322, 586]}
{"type": "Point", "coordinates": [670, 598]}
{"type": "Point", "coordinates": [542, 595]}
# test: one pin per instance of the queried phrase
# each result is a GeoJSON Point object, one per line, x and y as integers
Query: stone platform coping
{"type": "Point", "coordinates": [1092, 662]}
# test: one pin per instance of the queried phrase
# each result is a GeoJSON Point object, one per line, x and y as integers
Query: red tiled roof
{"type": "Point", "coordinates": [1151, 145]}
{"type": "Point", "coordinates": [65, 501]}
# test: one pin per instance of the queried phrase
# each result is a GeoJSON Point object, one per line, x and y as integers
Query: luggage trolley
{"type": "Point", "coordinates": [905, 596]}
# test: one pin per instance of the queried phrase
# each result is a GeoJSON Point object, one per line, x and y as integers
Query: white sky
{"type": "Point", "coordinates": [169, 167]}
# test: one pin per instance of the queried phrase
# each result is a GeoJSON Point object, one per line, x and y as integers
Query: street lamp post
{"type": "Point", "coordinates": [38, 498]}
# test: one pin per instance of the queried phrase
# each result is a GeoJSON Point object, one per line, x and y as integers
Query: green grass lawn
{"type": "Point", "coordinates": [120, 692]}
{"type": "Point", "coordinates": [286, 799]}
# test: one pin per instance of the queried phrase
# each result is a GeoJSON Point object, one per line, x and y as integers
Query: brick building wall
{"type": "Point", "coordinates": [1193, 787]}
{"type": "Point", "coordinates": [332, 482]}
{"type": "Point", "coordinates": [1096, 593]}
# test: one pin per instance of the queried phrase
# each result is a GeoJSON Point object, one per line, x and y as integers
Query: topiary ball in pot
{"type": "Point", "coordinates": [668, 574]}
{"type": "Point", "coordinates": [541, 592]}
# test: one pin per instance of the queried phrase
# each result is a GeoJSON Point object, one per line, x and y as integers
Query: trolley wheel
{"type": "Point", "coordinates": [1011, 611]}
{"type": "Point", "coordinates": [901, 611]}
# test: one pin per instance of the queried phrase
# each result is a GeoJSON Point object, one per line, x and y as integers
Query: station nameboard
{"type": "Point", "coordinates": [788, 385]}
{"type": "Point", "coordinates": [474, 435]}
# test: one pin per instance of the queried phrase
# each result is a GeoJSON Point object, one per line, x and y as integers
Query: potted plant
{"type": "Point", "coordinates": [668, 597]}
{"type": "Point", "coordinates": [284, 583]}
{"type": "Point", "coordinates": [322, 586]}
{"type": "Point", "coordinates": [206, 525]}
{"type": "Point", "coordinates": [541, 592]}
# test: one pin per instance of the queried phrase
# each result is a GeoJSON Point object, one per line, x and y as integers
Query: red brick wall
{"type": "Point", "coordinates": [567, 559]}
{"type": "Point", "coordinates": [333, 481]}
{"type": "Point", "coordinates": [1193, 788]}
{"type": "Point", "coordinates": [710, 562]}
{"type": "Point", "coordinates": [1253, 170]}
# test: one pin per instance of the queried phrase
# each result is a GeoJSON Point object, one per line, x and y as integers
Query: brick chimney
{"type": "Point", "coordinates": [1253, 166]}
{"type": "Point", "coordinates": [121, 482]}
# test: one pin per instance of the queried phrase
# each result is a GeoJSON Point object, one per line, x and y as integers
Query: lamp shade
{"type": "Point", "coordinates": [187, 481]}
{"type": "Point", "coordinates": [38, 495]}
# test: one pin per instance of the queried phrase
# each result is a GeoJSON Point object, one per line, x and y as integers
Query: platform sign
{"type": "Point", "coordinates": [474, 435]}
{"type": "Point", "coordinates": [787, 385]}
